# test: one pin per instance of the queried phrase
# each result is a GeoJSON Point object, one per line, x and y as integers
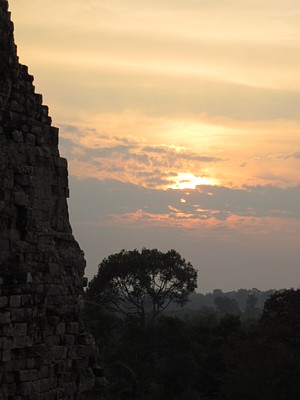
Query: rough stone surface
{"type": "Point", "coordinates": [42, 351]}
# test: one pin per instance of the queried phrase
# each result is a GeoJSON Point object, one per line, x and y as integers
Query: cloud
{"type": "Point", "coordinates": [109, 199]}
{"type": "Point", "coordinates": [228, 157]}
{"type": "Point", "coordinates": [295, 155]}
{"type": "Point", "coordinates": [173, 153]}
{"type": "Point", "coordinates": [128, 160]}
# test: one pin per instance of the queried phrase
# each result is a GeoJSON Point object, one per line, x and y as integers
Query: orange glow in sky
{"type": "Point", "coordinates": [157, 98]}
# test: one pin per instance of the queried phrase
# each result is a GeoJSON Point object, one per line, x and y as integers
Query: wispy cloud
{"type": "Point", "coordinates": [129, 161]}
{"type": "Point", "coordinates": [295, 155]}
{"type": "Point", "coordinates": [215, 203]}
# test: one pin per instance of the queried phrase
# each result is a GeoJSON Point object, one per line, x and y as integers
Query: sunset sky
{"type": "Point", "coordinates": [180, 122]}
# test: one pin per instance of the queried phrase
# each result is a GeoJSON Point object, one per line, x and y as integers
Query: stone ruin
{"type": "Point", "coordinates": [45, 353]}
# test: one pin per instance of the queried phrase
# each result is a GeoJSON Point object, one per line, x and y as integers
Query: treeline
{"type": "Point", "coordinates": [239, 300]}
{"type": "Point", "coordinates": [207, 355]}
{"type": "Point", "coordinates": [156, 345]}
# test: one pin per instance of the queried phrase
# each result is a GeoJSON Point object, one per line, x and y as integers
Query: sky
{"type": "Point", "coordinates": [180, 123]}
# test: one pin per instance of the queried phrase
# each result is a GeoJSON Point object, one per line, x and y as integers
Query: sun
{"type": "Point", "coordinates": [189, 181]}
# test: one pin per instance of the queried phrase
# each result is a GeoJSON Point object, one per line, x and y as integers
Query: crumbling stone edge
{"type": "Point", "coordinates": [45, 353]}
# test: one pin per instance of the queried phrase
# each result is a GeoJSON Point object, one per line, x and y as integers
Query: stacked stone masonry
{"type": "Point", "coordinates": [44, 352]}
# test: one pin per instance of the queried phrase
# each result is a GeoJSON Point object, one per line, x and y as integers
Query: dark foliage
{"type": "Point", "coordinates": [205, 354]}
{"type": "Point", "coordinates": [142, 284]}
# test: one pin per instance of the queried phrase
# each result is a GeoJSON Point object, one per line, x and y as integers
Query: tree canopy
{"type": "Point", "coordinates": [281, 317]}
{"type": "Point", "coordinates": [142, 282]}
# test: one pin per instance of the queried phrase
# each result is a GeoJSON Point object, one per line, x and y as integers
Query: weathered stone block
{"type": "Point", "coordinates": [28, 375]}
{"type": "Point", "coordinates": [72, 328]}
{"type": "Point", "coordinates": [58, 352]}
{"type": "Point", "coordinates": [5, 355]}
{"type": "Point", "coordinates": [5, 318]}
{"type": "Point", "coordinates": [30, 139]}
{"type": "Point", "coordinates": [60, 328]}
{"type": "Point", "coordinates": [21, 315]}
{"type": "Point", "coordinates": [87, 380]}
{"type": "Point", "coordinates": [7, 331]}
{"type": "Point", "coordinates": [28, 388]}
{"type": "Point", "coordinates": [15, 301]}
{"type": "Point", "coordinates": [18, 136]}
{"type": "Point", "coordinates": [52, 340]}
{"type": "Point", "coordinates": [4, 391]}
{"type": "Point", "coordinates": [20, 198]}
{"type": "Point", "coordinates": [45, 384]}
{"type": "Point", "coordinates": [7, 343]}
{"type": "Point", "coordinates": [19, 246]}
{"type": "Point", "coordinates": [8, 179]}
{"type": "Point", "coordinates": [67, 340]}
{"type": "Point", "coordinates": [20, 329]}
{"type": "Point", "coordinates": [3, 301]}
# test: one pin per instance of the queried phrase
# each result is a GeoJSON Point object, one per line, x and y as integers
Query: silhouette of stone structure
{"type": "Point", "coordinates": [44, 352]}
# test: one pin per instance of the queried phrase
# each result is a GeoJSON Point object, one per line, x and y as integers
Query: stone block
{"type": "Point", "coordinates": [7, 343]}
{"type": "Point", "coordinates": [3, 301]}
{"type": "Point", "coordinates": [67, 340]}
{"type": "Point", "coordinates": [81, 282]}
{"type": "Point", "coordinates": [4, 246]}
{"type": "Point", "coordinates": [30, 139]}
{"type": "Point", "coordinates": [26, 299]}
{"type": "Point", "coordinates": [5, 355]}
{"type": "Point", "coordinates": [52, 340]}
{"type": "Point", "coordinates": [20, 329]}
{"type": "Point", "coordinates": [87, 380]}
{"type": "Point", "coordinates": [45, 371]}
{"type": "Point", "coordinates": [22, 179]}
{"type": "Point", "coordinates": [28, 375]}
{"type": "Point", "coordinates": [15, 301]}
{"type": "Point", "coordinates": [19, 246]}
{"type": "Point", "coordinates": [20, 198]}
{"type": "Point", "coordinates": [85, 338]}
{"type": "Point", "coordinates": [31, 363]}
{"type": "Point", "coordinates": [38, 98]}
{"type": "Point", "coordinates": [58, 352]}
{"type": "Point", "coordinates": [7, 330]}
{"type": "Point", "coordinates": [45, 384]}
{"type": "Point", "coordinates": [29, 388]}
{"type": "Point", "coordinates": [21, 315]}
{"type": "Point", "coordinates": [5, 318]}
{"type": "Point", "coordinates": [70, 387]}
{"type": "Point", "coordinates": [18, 137]}
{"type": "Point", "coordinates": [4, 391]}
{"type": "Point", "coordinates": [60, 328]}
{"type": "Point", "coordinates": [40, 352]}
{"type": "Point", "coordinates": [72, 328]}
{"type": "Point", "coordinates": [8, 179]}
{"type": "Point", "coordinates": [54, 269]}
{"type": "Point", "coordinates": [84, 349]}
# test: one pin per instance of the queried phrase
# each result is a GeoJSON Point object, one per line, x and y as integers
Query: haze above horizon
{"type": "Point", "coordinates": [180, 123]}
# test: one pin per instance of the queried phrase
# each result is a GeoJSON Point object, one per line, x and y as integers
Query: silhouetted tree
{"type": "Point", "coordinates": [281, 317]}
{"type": "Point", "coordinates": [142, 283]}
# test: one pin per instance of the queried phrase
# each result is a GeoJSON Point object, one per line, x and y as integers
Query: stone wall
{"type": "Point", "coordinates": [44, 352]}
